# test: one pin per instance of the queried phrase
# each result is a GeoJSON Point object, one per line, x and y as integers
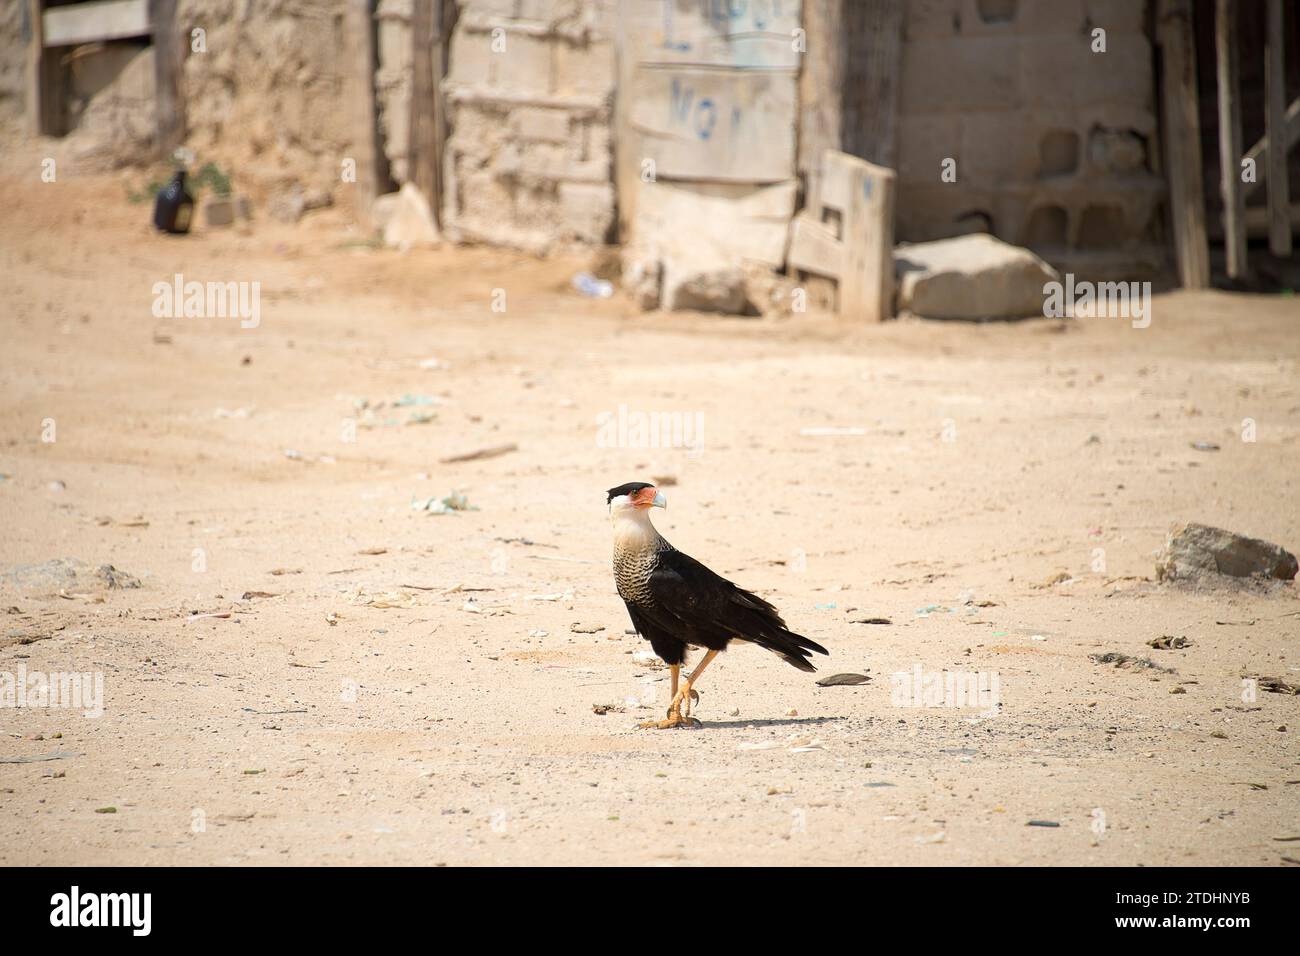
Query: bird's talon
{"type": "Point", "coordinates": [671, 721]}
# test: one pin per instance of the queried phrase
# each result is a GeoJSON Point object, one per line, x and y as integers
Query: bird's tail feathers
{"type": "Point", "coordinates": [766, 629]}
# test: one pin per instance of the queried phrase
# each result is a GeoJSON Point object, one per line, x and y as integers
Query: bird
{"type": "Point", "coordinates": [675, 602]}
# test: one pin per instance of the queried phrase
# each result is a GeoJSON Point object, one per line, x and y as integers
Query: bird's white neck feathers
{"type": "Point", "coordinates": [633, 530]}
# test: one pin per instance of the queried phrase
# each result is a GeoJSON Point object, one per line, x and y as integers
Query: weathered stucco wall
{"type": "Point", "coordinates": [529, 94]}
{"type": "Point", "coordinates": [1053, 142]}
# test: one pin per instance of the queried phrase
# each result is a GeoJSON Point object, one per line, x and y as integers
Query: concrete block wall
{"type": "Point", "coordinates": [1053, 143]}
{"type": "Point", "coordinates": [529, 92]}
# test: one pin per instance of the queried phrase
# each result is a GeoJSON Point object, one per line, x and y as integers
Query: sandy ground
{"type": "Point", "coordinates": [318, 725]}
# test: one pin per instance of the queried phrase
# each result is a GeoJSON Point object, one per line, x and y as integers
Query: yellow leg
{"type": "Point", "coordinates": [687, 692]}
{"type": "Point", "coordinates": [676, 718]}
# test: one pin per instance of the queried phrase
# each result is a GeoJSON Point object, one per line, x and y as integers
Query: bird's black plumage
{"type": "Point", "coordinates": [675, 602]}
{"type": "Point", "coordinates": [629, 488]}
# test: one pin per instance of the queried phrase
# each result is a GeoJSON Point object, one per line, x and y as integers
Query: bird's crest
{"type": "Point", "coordinates": [630, 488]}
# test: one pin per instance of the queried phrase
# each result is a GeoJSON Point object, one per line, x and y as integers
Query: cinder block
{"type": "Point", "coordinates": [490, 8]}
{"type": "Point", "coordinates": [587, 210]}
{"type": "Point", "coordinates": [547, 11]}
{"type": "Point", "coordinates": [1123, 74]}
{"type": "Point", "coordinates": [997, 147]}
{"type": "Point", "coordinates": [977, 73]}
{"type": "Point", "coordinates": [931, 18]}
{"type": "Point", "coordinates": [1051, 70]}
{"type": "Point", "coordinates": [472, 60]}
{"type": "Point", "coordinates": [925, 140]}
{"type": "Point", "coordinates": [1117, 16]}
{"type": "Point", "coordinates": [539, 123]}
{"type": "Point", "coordinates": [525, 65]}
{"type": "Point", "coordinates": [587, 69]}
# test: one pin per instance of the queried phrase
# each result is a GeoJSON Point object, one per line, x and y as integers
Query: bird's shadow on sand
{"type": "Point", "coordinates": [772, 722]}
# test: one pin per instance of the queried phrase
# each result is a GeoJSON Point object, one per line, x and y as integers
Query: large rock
{"type": "Point", "coordinates": [714, 290]}
{"type": "Point", "coordinates": [1199, 554]}
{"type": "Point", "coordinates": [970, 277]}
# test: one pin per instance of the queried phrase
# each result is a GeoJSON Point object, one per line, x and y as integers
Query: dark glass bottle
{"type": "Point", "coordinates": [174, 209]}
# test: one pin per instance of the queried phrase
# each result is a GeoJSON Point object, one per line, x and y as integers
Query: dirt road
{"type": "Point", "coordinates": [419, 688]}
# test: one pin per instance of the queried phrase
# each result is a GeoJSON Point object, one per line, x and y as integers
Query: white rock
{"type": "Point", "coordinates": [411, 222]}
{"type": "Point", "coordinates": [970, 277]}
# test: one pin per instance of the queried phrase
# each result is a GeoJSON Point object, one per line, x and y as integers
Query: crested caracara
{"type": "Point", "coordinates": [675, 602]}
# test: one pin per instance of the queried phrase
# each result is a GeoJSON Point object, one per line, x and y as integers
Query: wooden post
{"type": "Point", "coordinates": [1234, 206]}
{"type": "Point", "coordinates": [168, 61]}
{"type": "Point", "coordinates": [821, 84]}
{"type": "Point", "coordinates": [35, 56]}
{"type": "Point", "coordinates": [43, 77]}
{"type": "Point", "coordinates": [1182, 142]}
{"type": "Point", "coordinates": [359, 74]}
{"type": "Point", "coordinates": [873, 61]}
{"type": "Point", "coordinates": [1279, 202]}
{"type": "Point", "coordinates": [423, 156]}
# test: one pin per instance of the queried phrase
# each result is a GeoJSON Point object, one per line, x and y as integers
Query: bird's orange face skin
{"type": "Point", "coordinates": [645, 498]}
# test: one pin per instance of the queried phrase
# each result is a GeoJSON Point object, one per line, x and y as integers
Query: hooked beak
{"type": "Point", "coordinates": [660, 501]}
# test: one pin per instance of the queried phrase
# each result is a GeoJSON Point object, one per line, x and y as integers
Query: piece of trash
{"type": "Point", "coordinates": [871, 620]}
{"type": "Point", "coordinates": [1129, 661]}
{"type": "Point", "coordinates": [587, 284]}
{"type": "Point", "coordinates": [1042, 823]}
{"type": "Point", "coordinates": [1167, 642]}
{"type": "Point", "coordinates": [442, 506]}
{"type": "Point", "coordinates": [479, 454]}
{"type": "Point", "coordinates": [843, 680]}
{"type": "Point", "coordinates": [930, 609]}
{"type": "Point", "coordinates": [828, 606]}
{"type": "Point", "coordinates": [57, 755]}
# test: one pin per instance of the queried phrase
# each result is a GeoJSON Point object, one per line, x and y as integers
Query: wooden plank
{"type": "Point", "coordinates": [820, 81]}
{"type": "Point", "coordinates": [861, 257]}
{"type": "Point", "coordinates": [815, 248]}
{"type": "Point", "coordinates": [422, 159]}
{"type": "Point", "coordinates": [1182, 142]}
{"type": "Point", "coordinates": [96, 21]}
{"type": "Point", "coordinates": [1260, 151]}
{"type": "Point", "coordinates": [1279, 201]}
{"type": "Point", "coordinates": [359, 75]}
{"type": "Point", "coordinates": [866, 290]}
{"type": "Point", "coordinates": [1227, 70]}
{"type": "Point", "coordinates": [37, 96]}
{"type": "Point", "coordinates": [169, 46]}
{"type": "Point", "coordinates": [874, 32]}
